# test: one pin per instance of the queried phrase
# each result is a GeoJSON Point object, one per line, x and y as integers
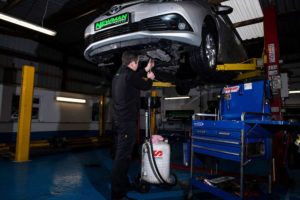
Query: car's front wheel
{"type": "Point", "coordinates": [203, 59]}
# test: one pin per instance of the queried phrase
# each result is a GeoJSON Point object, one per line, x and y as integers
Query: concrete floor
{"type": "Point", "coordinates": [73, 175]}
{"type": "Point", "coordinates": [86, 175]}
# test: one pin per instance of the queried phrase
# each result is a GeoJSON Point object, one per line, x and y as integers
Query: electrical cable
{"type": "Point", "coordinates": [46, 8]}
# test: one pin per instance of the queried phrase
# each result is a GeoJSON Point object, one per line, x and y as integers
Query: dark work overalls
{"type": "Point", "coordinates": [126, 88]}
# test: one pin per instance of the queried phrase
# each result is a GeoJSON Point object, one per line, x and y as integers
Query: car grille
{"type": "Point", "coordinates": [154, 24]}
{"type": "Point", "coordinates": [129, 28]}
{"type": "Point", "coordinates": [150, 24]}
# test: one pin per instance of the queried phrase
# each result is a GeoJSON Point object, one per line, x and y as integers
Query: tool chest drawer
{"type": "Point", "coordinates": [227, 131]}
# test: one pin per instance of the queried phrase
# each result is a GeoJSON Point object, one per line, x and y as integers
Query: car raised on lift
{"type": "Point", "coordinates": [187, 38]}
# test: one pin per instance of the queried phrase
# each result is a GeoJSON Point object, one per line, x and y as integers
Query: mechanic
{"type": "Point", "coordinates": [126, 87]}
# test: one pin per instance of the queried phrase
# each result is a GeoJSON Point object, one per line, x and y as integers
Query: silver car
{"type": "Point", "coordinates": [187, 38]}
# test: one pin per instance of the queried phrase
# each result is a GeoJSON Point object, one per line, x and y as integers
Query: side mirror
{"type": "Point", "coordinates": [223, 10]}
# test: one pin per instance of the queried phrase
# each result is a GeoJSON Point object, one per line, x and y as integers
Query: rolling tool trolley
{"type": "Point", "coordinates": [241, 132]}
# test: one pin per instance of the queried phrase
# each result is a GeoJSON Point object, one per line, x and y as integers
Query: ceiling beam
{"type": "Point", "coordinates": [248, 22]}
{"type": "Point", "coordinates": [68, 15]}
{"type": "Point", "coordinates": [11, 4]}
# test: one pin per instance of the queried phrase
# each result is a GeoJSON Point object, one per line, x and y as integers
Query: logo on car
{"type": "Point", "coordinates": [115, 9]}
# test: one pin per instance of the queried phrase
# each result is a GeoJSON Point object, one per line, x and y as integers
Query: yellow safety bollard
{"type": "Point", "coordinates": [25, 109]}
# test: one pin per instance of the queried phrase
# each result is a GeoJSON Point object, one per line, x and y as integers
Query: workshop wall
{"type": "Point", "coordinates": [55, 70]}
{"type": "Point", "coordinates": [50, 116]}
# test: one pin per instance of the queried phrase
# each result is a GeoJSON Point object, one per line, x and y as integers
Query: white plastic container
{"type": "Point", "coordinates": [161, 154]}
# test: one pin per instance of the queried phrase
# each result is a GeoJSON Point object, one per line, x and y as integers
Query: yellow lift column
{"type": "Point", "coordinates": [25, 109]}
{"type": "Point", "coordinates": [102, 115]}
{"type": "Point", "coordinates": [153, 111]}
{"type": "Point", "coordinates": [153, 115]}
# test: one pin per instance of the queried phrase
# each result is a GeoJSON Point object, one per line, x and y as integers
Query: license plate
{"type": "Point", "coordinates": [112, 22]}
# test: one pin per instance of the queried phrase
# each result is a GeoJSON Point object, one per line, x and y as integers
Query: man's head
{"type": "Point", "coordinates": [130, 59]}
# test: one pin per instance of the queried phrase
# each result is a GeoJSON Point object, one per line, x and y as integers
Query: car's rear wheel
{"type": "Point", "coordinates": [203, 59]}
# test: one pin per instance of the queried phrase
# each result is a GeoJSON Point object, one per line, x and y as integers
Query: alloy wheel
{"type": "Point", "coordinates": [210, 51]}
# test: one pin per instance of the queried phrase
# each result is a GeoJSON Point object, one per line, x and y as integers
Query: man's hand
{"type": "Point", "coordinates": [151, 75]}
{"type": "Point", "coordinates": [149, 65]}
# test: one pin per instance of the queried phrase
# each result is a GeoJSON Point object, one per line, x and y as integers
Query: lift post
{"type": "Point", "coordinates": [248, 65]}
{"type": "Point", "coordinates": [272, 64]}
{"type": "Point", "coordinates": [273, 74]}
{"type": "Point", "coordinates": [25, 110]}
{"type": "Point", "coordinates": [251, 68]}
{"type": "Point", "coordinates": [153, 115]}
{"type": "Point", "coordinates": [102, 101]}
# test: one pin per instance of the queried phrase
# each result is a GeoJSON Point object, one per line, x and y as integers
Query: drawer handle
{"type": "Point", "coordinates": [216, 150]}
{"type": "Point", "coordinates": [215, 140]}
{"type": "Point", "coordinates": [224, 133]}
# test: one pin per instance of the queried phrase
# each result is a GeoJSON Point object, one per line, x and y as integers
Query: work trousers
{"type": "Point", "coordinates": [124, 142]}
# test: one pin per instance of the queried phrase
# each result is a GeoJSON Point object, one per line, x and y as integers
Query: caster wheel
{"type": "Point", "coordinates": [189, 195]}
{"type": "Point", "coordinates": [141, 186]}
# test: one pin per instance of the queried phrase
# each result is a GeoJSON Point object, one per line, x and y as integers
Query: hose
{"type": "Point", "coordinates": [150, 150]}
{"type": "Point", "coordinates": [154, 167]}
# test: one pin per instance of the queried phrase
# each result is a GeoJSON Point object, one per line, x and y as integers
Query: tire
{"type": "Point", "coordinates": [203, 59]}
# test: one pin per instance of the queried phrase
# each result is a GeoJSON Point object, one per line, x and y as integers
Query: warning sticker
{"type": "Point", "coordinates": [248, 86]}
{"type": "Point", "coordinates": [232, 89]}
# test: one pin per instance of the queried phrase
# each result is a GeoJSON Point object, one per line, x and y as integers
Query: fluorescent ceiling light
{"type": "Point", "coordinates": [27, 24]}
{"type": "Point", "coordinates": [71, 100]}
{"type": "Point", "coordinates": [175, 98]}
{"type": "Point", "coordinates": [294, 92]}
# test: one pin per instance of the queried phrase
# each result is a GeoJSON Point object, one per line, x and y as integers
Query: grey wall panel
{"type": "Point", "coordinates": [29, 47]}
{"type": "Point", "coordinates": [72, 74]}
{"type": "Point", "coordinates": [78, 62]}
{"type": "Point", "coordinates": [6, 61]}
{"type": "Point", "coordinates": [83, 87]}
{"type": "Point", "coordinates": [49, 69]}
{"type": "Point", "coordinates": [45, 81]}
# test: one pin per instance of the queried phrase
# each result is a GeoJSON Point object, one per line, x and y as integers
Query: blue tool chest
{"type": "Point", "coordinates": [222, 139]}
{"type": "Point", "coordinates": [241, 132]}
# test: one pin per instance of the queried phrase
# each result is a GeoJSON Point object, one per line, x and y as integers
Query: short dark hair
{"type": "Point", "coordinates": [129, 56]}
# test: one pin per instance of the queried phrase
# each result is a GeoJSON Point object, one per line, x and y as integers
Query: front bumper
{"type": "Point", "coordinates": [139, 38]}
{"type": "Point", "coordinates": [164, 27]}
